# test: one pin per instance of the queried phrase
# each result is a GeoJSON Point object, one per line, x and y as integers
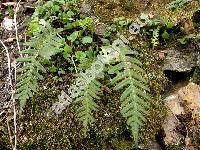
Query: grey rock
{"type": "Point", "coordinates": [99, 27]}
{"type": "Point", "coordinates": [173, 104]}
{"type": "Point", "coordinates": [86, 8]}
{"type": "Point", "coordinates": [179, 61]}
{"type": "Point", "coordinates": [152, 145]}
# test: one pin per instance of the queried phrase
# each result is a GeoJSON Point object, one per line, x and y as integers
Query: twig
{"type": "Point", "coordinates": [12, 93]}
{"type": "Point", "coordinates": [19, 49]}
{"type": "Point", "coordinates": [9, 133]}
{"type": "Point", "coordinates": [8, 59]}
{"type": "Point", "coordinates": [1, 113]}
{"type": "Point", "coordinates": [74, 64]}
{"type": "Point", "coordinates": [15, 24]}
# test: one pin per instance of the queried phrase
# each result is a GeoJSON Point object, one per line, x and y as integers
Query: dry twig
{"type": "Point", "coordinates": [12, 91]}
{"type": "Point", "coordinates": [19, 49]}
{"type": "Point", "coordinates": [15, 24]}
{"type": "Point", "coordinates": [9, 132]}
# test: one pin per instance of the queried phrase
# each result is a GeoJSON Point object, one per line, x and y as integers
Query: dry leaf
{"type": "Point", "coordinates": [8, 23]}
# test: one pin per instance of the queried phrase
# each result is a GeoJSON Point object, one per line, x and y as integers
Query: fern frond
{"type": "Point", "coordinates": [88, 105]}
{"type": "Point", "coordinates": [42, 45]}
{"type": "Point", "coordinates": [133, 99]}
{"type": "Point", "coordinates": [155, 40]}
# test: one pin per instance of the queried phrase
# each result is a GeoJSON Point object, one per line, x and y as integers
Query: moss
{"type": "Point", "coordinates": [64, 131]}
{"type": "Point", "coordinates": [196, 76]}
{"type": "Point", "coordinates": [108, 9]}
{"type": "Point", "coordinates": [4, 142]}
{"type": "Point", "coordinates": [175, 147]}
{"type": "Point", "coordinates": [38, 131]}
{"type": "Point", "coordinates": [121, 144]}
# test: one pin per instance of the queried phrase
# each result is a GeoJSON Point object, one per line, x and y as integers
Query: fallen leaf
{"type": "Point", "coordinates": [8, 23]}
{"type": "Point", "coordinates": [161, 55]}
{"type": "Point", "coordinates": [9, 3]}
{"type": "Point", "coordinates": [8, 40]}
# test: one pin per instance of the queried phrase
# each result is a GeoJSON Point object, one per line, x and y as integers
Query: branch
{"type": "Point", "coordinates": [9, 133]}
{"type": "Point", "coordinates": [12, 91]}
{"type": "Point", "coordinates": [15, 24]}
{"type": "Point", "coordinates": [17, 39]}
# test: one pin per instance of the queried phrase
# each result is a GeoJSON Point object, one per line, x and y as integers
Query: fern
{"type": "Point", "coordinates": [154, 39]}
{"type": "Point", "coordinates": [87, 96]}
{"type": "Point", "coordinates": [133, 104]}
{"type": "Point", "coordinates": [42, 46]}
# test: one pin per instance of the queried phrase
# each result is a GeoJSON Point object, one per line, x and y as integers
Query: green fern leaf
{"type": "Point", "coordinates": [43, 45]}
{"type": "Point", "coordinates": [155, 38]}
{"type": "Point", "coordinates": [87, 97]}
{"type": "Point", "coordinates": [133, 99]}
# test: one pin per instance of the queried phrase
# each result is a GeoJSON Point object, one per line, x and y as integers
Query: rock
{"type": "Point", "coordinates": [172, 136]}
{"type": "Point", "coordinates": [99, 27]}
{"type": "Point", "coordinates": [189, 145]}
{"type": "Point", "coordinates": [179, 62]}
{"type": "Point", "coordinates": [173, 103]}
{"type": "Point", "coordinates": [86, 8]}
{"type": "Point", "coordinates": [150, 146]}
{"type": "Point", "coordinates": [8, 23]}
{"type": "Point", "coordinates": [190, 94]}
{"type": "Point", "coordinates": [183, 115]}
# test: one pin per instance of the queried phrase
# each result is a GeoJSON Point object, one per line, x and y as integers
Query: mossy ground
{"type": "Point", "coordinates": [110, 128]}
{"type": "Point", "coordinates": [38, 131]}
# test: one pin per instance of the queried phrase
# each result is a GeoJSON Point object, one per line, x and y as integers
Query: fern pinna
{"type": "Point", "coordinates": [133, 99]}
{"type": "Point", "coordinates": [42, 46]}
{"type": "Point", "coordinates": [88, 105]}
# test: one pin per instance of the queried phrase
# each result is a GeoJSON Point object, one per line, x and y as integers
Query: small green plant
{"type": "Point", "coordinates": [155, 37]}
{"type": "Point", "coordinates": [80, 55]}
{"type": "Point", "coordinates": [77, 28]}
{"type": "Point", "coordinates": [52, 69]}
{"type": "Point", "coordinates": [86, 62]}
{"type": "Point", "coordinates": [1, 16]}
{"type": "Point", "coordinates": [157, 28]}
{"type": "Point", "coordinates": [165, 35]}
{"type": "Point", "coordinates": [87, 40]}
{"type": "Point", "coordinates": [117, 25]}
{"type": "Point", "coordinates": [10, 11]}
{"type": "Point", "coordinates": [154, 25]}
{"type": "Point", "coordinates": [183, 40]}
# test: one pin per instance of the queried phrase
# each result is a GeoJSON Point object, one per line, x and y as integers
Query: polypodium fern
{"type": "Point", "coordinates": [155, 38]}
{"type": "Point", "coordinates": [42, 45]}
{"type": "Point", "coordinates": [87, 96]}
{"type": "Point", "coordinates": [133, 98]}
